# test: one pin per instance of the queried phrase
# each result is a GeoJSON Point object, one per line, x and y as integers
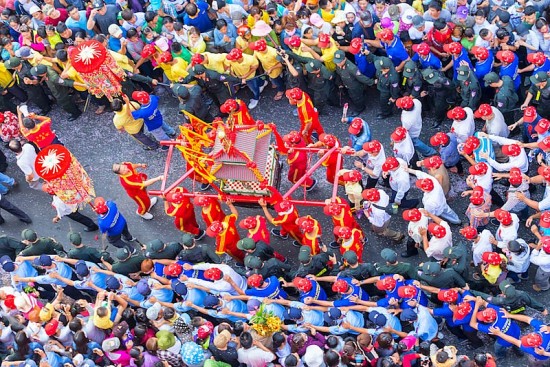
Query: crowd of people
{"type": "Point", "coordinates": [240, 302]}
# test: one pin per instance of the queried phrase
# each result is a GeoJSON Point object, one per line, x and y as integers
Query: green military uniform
{"type": "Point", "coordinates": [351, 78]}
{"type": "Point", "coordinates": [268, 268]}
{"type": "Point", "coordinates": [457, 259]}
{"type": "Point", "coordinates": [470, 90]}
{"type": "Point", "coordinates": [441, 93]}
{"type": "Point", "coordinates": [10, 246]}
{"type": "Point", "coordinates": [191, 101]}
{"type": "Point", "coordinates": [392, 266]}
{"type": "Point", "coordinates": [292, 81]}
{"type": "Point", "coordinates": [196, 254]}
{"type": "Point", "coordinates": [413, 82]}
{"type": "Point", "coordinates": [360, 272]}
{"type": "Point", "coordinates": [434, 276]}
{"type": "Point", "coordinates": [259, 249]}
{"type": "Point", "coordinates": [315, 265]}
{"type": "Point", "coordinates": [156, 249]}
{"type": "Point", "coordinates": [81, 252]}
{"type": "Point", "coordinates": [218, 86]}
{"type": "Point", "coordinates": [59, 87]}
{"type": "Point", "coordinates": [127, 264]}
{"type": "Point", "coordinates": [388, 83]}
{"type": "Point", "coordinates": [35, 92]}
{"type": "Point", "coordinates": [540, 89]}
{"type": "Point", "coordinates": [39, 246]}
{"type": "Point", "coordinates": [512, 299]}
{"type": "Point", "coordinates": [506, 97]}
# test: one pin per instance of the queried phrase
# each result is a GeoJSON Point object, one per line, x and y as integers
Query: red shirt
{"type": "Point", "coordinates": [42, 134]}
{"type": "Point", "coordinates": [260, 232]}
{"type": "Point", "coordinates": [132, 182]}
{"type": "Point", "coordinates": [63, 15]}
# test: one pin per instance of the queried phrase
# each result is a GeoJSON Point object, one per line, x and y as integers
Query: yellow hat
{"type": "Point", "coordinates": [46, 313]}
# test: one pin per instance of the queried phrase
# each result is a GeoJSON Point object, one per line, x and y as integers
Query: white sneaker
{"type": "Point", "coordinates": [263, 86]}
{"type": "Point", "coordinates": [147, 216]}
{"type": "Point", "coordinates": [252, 104]}
{"type": "Point", "coordinates": [153, 202]}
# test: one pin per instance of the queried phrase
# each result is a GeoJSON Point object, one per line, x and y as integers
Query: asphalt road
{"type": "Point", "coordinates": [97, 145]}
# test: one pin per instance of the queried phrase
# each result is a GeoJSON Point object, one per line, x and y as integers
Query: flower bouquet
{"type": "Point", "coordinates": [265, 322]}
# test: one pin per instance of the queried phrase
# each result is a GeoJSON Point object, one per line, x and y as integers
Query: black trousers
{"type": "Point", "coordinates": [117, 240]}
{"type": "Point", "coordinates": [38, 97]}
{"type": "Point", "coordinates": [18, 93]}
{"type": "Point", "coordinates": [13, 210]}
{"type": "Point", "coordinates": [82, 219]}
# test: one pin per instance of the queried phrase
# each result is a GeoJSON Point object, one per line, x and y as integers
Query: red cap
{"type": "Point", "coordinates": [229, 106]}
{"type": "Point", "coordinates": [100, 206]}
{"type": "Point", "coordinates": [484, 110]}
{"type": "Point", "coordinates": [480, 168]}
{"type": "Point", "coordinates": [458, 113]}
{"type": "Point", "coordinates": [340, 286]}
{"type": "Point", "coordinates": [214, 229]}
{"type": "Point", "coordinates": [293, 41]}
{"type": "Point", "coordinates": [385, 35]}
{"type": "Point", "coordinates": [147, 51]}
{"type": "Point", "coordinates": [412, 215]}
{"type": "Point", "coordinates": [544, 144]}
{"type": "Point", "coordinates": [259, 45]}
{"type": "Point", "coordinates": [434, 161]}
{"type": "Point", "coordinates": [542, 126]}
{"type": "Point", "coordinates": [405, 103]}
{"type": "Point", "coordinates": [488, 315]}
{"type": "Point", "coordinates": [462, 310]}
{"type": "Point", "coordinates": [390, 164]}
{"type": "Point", "coordinates": [175, 197]}
{"type": "Point", "coordinates": [531, 340]}
{"type": "Point", "coordinates": [294, 93]}
{"type": "Point", "coordinates": [515, 176]}
{"type": "Point", "coordinates": [201, 200]}
{"type": "Point", "coordinates": [255, 280]}
{"type": "Point", "coordinates": [9, 302]}
{"type": "Point", "coordinates": [399, 134]}
{"type": "Point", "coordinates": [529, 114]}
{"type": "Point", "coordinates": [477, 197]}
{"type": "Point", "coordinates": [407, 291]}
{"type": "Point", "coordinates": [469, 232]}
{"type": "Point", "coordinates": [491, 258]}
{"type": "Point", "coordinates": [234, 55]}
{"type": "Point", "coordinates": [545, 244]}
{"type": "Point", "coordinates": [512, 150]}
{"type": "Point", "coordinates": [249, 222]}
{"type": "Point", "coordinates": [332, 209]}
{"type": "Point", "coordinates": [242, 30]}
{"type": "Point", "coordinates": [303, 284]}
{"type": "Point", "coordinates": [471, 144]}
{"type": "Point", "coordinates": [372, 195]}
{"type": "Point", "coordinates": [197, 59]}
{"type": "Point", "coordinates": [386, 284]}
{"type": "Point", "coordinates": [355, 126]}
{"type": "Point", "coordinates": [544, 171]}
{"type": "Point", "coordinates": [51, 327]}
{"type": "Point", "coordinates": [213, 274]}
{"type": "Point", "coordinates": [355, 46]}
{"type": "Point", "coordinates": [439, 138]}
{"type": "Point", "coordinates": [506, 56]}
{"type": "Point", "coordinates": [205, 330]}
{"type": "Point", "coordinates": [537, 58]}
{"type": "Point", "coordinates": [421, 49]}
{"type": "Point", "coordinates": [352, 176]}
{"type": "Point", "coordinates": [283, 206]}
{"type": "Point", "coordinates": [324, 40]}
{"type": "Point", "coordinates": [343, 232]}
{"type": "Point", "coordinates": [454, 48]}
{"type": "Point", "coordinates": [306, 224]}
{"type": "Point", "coordinates": [293, 137]}
{"type": "Point", "coordinates": [503, 216]}
{"type": "Point", "coordinates": [165, 57]}
{"type": "Point", "coordinates": [425, 184]}
{"type": "Point", "coordinates": [141, 97]}
{"type": "Point", "coordinates": [481, 53]}
{"type": "Point", "coordinates": [544, 221]}
{"type": "Point", "coordinates": [447, 295]}
{"type": "Point", "coordinates": [437, 230]}
{"type": "Point", "coordinates": [372, 146]}
{"type": "Point", "coordinates": [173, 270]}
{"type": "Point", "coordinates": [328, 139]}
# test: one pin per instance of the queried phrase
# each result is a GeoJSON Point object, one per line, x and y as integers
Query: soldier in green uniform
{"type": "Point", "coordinates": [157, 249]}
{"type": "Point", "coordinates": [268, 267]}
{"type": "Point", "coordinates": [360, 271]}
{"type": "Point", "coordinates": [392, 266]}
{"type": "Point", "coordinates": [387, 84]}
{"type": "Point", "coordinates": [456, 257]}
{"type": "Point", "coordinates": [26, 81]}
{"type": "Point", "coordinates": [59, 87]}
{"type": "Point", "coordinates": [37, 246]}
{"type": "Point", "coordinates": [191, 101]}
{"type": "Point", "coordinates": [217, 86]}
{"type": "Point", "coordinates": [506, 97]}
{"type": "Point", "coordinates": [80, 251]}
{"type": "Point", "coordinates": [10, 246]}
{"type": "Point", "coordinates": [440, 93]}
{"type": "Point", "coordinates": [539, 94]}
{"type": "Point", "coordinates": [317, 265]}
{"type": "Point", "coordinates": [434, 276]}
{"type": "Point", "coordinates": [196, 254]}
{"type": "Point", "coordinates": [320, 82]}
{"type": "Point", "coordinates": [412, 80]}
{"type": "Point", "coordinates": [126, 263]}
{"type": "Point", "coordinates": [258, 249]}
{"type": "Point", "coordinates": [512, 299]}
{"type": "Point", "coordinates": [470, 90]}
{"type": "Point", "coordinates": [350, 77]}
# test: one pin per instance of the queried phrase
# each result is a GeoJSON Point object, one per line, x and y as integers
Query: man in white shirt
{"type": "Point", "coordinates": [220, 278]}
{"type": "Point", "coordinates": [508, 229]}
{"type": "Point", "coordinates": [463, 123]}
{"type": "Point", "coordinates": [494, 120]}
{"type": "Point", "coordinates": [253, 353]}
{"type": "Point", "coordinates": [540, 256]}
{"type": "Point", "coordinates": [510, 148]}
{"type": "Point", "coordinates": [442, 237]}
{"type": "Point", "coordinates": [375, 204]}
{"type": "Point", "coordinates": [403, 146]}
{"type": "Point", "coordinates": [399, 182]}
{"type": "Point", "coordinates": [420, 28]}
{"type": "Point", "coordinates": [411, 119]}
{"type": "Point", "coordinates": [26, 155]}
{"type": "Point", "coordinates": [481, 242]}
{"type": "Point", "coordinates": [372, 159]}
{"type": "Point", "coordinates": [416, 221]}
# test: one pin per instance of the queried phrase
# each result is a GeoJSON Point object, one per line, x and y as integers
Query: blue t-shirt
{"type": "Point", "coordinates": [511, 70]}
{"type": "Point", "coordinates": [396, 51]}
{"type": "Point", "coordinates": [150, 114]}
{"type": "Point", "coordinates": [507, 326]}
{"type": "Point", "coordinates": [366, 68]}
{"type": "Point", "coordinates": [544, 67]}
{"type": "Point", "coordinates": [111, 222]}
{"type": "Point", "coordinates": [316, 292]}
{"type": "Point", "coordinates": [463, 56]}
{"type": "Point", "coordinates": [537, 324]}
{"type": "Point", "coordinates": [24, 270]}
{"type": "Point", "coordinates": [201, 21]}
{"type": "Point", "coordinates": [484, 67]}
{"type": "Point", "coordinates": [385, 302]}
{"type": "Point", "coordinates": [420, 297]}
{"type": "Point", "coordinates": [431, 61]}
{"type": "Point", "coordinates": [272, 290]}
{"type": "Point", "coordinates": [356, 291]}
{"type": "Point", "coordinates": [363, 137]}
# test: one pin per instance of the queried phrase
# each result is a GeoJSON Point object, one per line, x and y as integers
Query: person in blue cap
{"type": "Point", "coordinates": [424, 325]}
{"type": "Point", "coordinates": [20, 269]}
{"type": "Point", "coordinates": [85, 273]}
{"type": "Point", "coordinates": [183, 293]}
{"type": "Point", "coordinates": [120, 284]}
{"type": "Point", "coordinates": [298, 315]}
{"type": "Point", "coordinates": [339, 321]}
{"type": "Point", "coordinates": [152, 291]}
{"type": "Point", "coordinates": [219, 308]}
{"type": "Point", "coordinates": [380, 317]}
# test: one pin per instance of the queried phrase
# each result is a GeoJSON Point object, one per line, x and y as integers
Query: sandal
{"type": "Point", "coordinates": [100, 110]}
{"type": "Point", "coordinates": [278, 96]}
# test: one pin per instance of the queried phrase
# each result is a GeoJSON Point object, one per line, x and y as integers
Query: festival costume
{"type": "Point", "coordinates": [183, 212]}
{"type": "Point", "coordinates": [226, 240]}
{"type": "Point", "coordinates": [242, 115]}
{"type": "Point", "coordinates": [345, 218]}
{"type": "Point", "coordinates": [308, 114]}
{"type": "Point", "coordinates": [311, 238]}
{"type": "Point", "coordinates": [354, 243]}
{"type": "Point", "coordinates": [297, 164]}
{"type": "Point", "coordinates": [132, 183]}
{"type": "Point", "coordinates": [287, 222]}
{"type": "Point", "coordinates": [212, 212]}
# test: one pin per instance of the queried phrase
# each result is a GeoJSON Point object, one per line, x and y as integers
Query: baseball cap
{"type": "Point", "coordinates": [114, 30]}
{"type": "Point", "coordinates": [7, 264]}
{"type": "Point", "coordinates": [339, 56]}
{"type": "Point", "coordinates": [491, 77]}
{"type": "Point", "coordinates": [544, 144]}
{"type": "Point", "coordinates": [332, 315]}
{"type": "Point", "coordinates": [112, 283]}
{"type": "Point", "coordinates": [74, 238]}
{"type": "Point", "coordinates": [408, 314]}
{"type": "Point", "coordinates": [312, 66]}
{"type": "Point", "coordinates": [305, 254]}
{"type": "Point", "coordinates": [155, 246]}
{"type": "Point", "coordinates": [377, 318]}
{"type": "Point", "coordinates": [463, 73]}
{"type": "Point", "coordinates": [252, 262]}
{"type": "Point", "coordinates": [389, 255]}
{"type": "Point", "coordinates": [431, 268]}
{"type": "Point", "coordinates": [179, 287]}
{"type": "Point", "coordinates": [43, 260]}
{"type": "Point", "coordinates": [246, 244]}
{"type": "Point", "coordinates": [293, 313]}
{"type": "Point", "coordinates": [24, 51]}
{"type": "Point", "coordinates": [29, 235]}
{"type": "Point", "coordinates": [366, 18]}
{"type": "Point", "coordinates": [97, 4]}
{"type": "Point", "coordinates": [122, 253]}
{"type": "Point", "coordinates": [143, 287]}
{"type": "Point", "coordinates": [418, 21]}
{"type": "Point", "coordinates": [350, 257]}
{"type": "Point", "coordinates": [540, 76]}
{"type": "Point", "coordinates": [211, 301]}
{"type": "Point", "coordinates": [81, 268]}
{"type": "Point", "coordinates": [409, 69]}
{"type": "Point", "coordinates": [430, 75]}
{"type": "Point", "coordinates": [542, 126]}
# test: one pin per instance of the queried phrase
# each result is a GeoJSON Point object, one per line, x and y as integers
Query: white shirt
{"type": "Point", "coordinates": [62, 208]}
{"type": "Point", "coordinates": [25, 161]}
{"type": "Point", "coordinates": [542, 259]}
{"type": "Point", "coordinates": [375, 163]}
{"type": "Point", "coordinates": [486, 24]}
{"type": "Point", "coordinates": [415, 34]}
{"type": "Point", "coordinates": [140, 22]}
{"type": "Point", "coordinates": [404, 149]}
{"type": "Point", "coordinates": [433, 201]}
{"type": "Point", "coordinates": [377, 217]}
{"type": "Point", "coordinates": [466, 128]}
{"type": "Point", "coordinates": [509, 233]}
{"type": "Point", "coordinates": [485, 181]}
{"type": "Point", "coordinates": [412, 120]}
{"type": "Point", "coordinates": [520, 161]}
{"type": "Point", "coordinates": [437, 245]}
{"type": "Point", "coordinates": [497, 126]}
{"type": "Point", "coordinates": [482, 246]}
{"type": "Point", "coordinates": [220, 285]}
{"type": "Point", "coordinates": [399, 181]}
{"type": "Point", "coordinates": [254, 357]}
{"type": "Point", "coordinates": [413, 227]}
{"type": "Point", "coordinates": [519, 263]}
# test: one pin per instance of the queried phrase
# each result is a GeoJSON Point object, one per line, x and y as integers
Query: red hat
{"type": "Point", "coordinates": [2, 117]}
{"type": "Point", "coordinates": [293, 41]}
{"type": "Point", "coordinates": [9, 302]}
{"type": "Point", "coordinates": [255, 280]}
{"type": "Point", "coordinates": [141, 97]}
{"type": "Point", "coordinates": [399, 134]}
{"type": "Point", "coordinates": [213, 274]}
{"type": "Point", "coordinates": [259, 45]}
{"type": "Point", "coordinates": [405, 103]}
{"type": "Point", "coordinates": [355, 126]}
{"type": "Point", "coordinates": [176, 197]}
{"type": "Point", "coordinates": [529, 114]}
{"type": "Point", "coordinates": [437, 230]}
{"type": "Point", "coordinates": [488, 315]}
{"type": "Point", "coordinates": [447, 295]}
{"type": "Point", "coordinates": [214, 229]}
{"type": "Point", "coordinates": [462, 310]}
{"type": "Point", "coordinates": [512, 150]}
{"type": "Point", "coordinates": [506, 56]}
{"type": "Point", "coordinates": [545, 244]}
{"type": "Point", "coordinates": [100, 206]}
{"type": "Point", "coordinates": [421, 49]}
{"type": "Point", "coordinates": [293, 137]}
{"type": "Point", "coordinates": [352, 176]}
{"type": "Point", "coordinates": [480, 168]}
{"type": "Point", "coordinates": [469, 232]}
{"type": "Point", "coordinates": [249, 222]}
{"type": "Point", "coordinates": [458, 113]}
{"type": "Point", "coordinates": [340, 286]}
{"type": "Point", "coordinates": [234, 55]}
{"type": "Point", "coordinates": [531, 340]}
{"type": "Point", "coordinates": [544, 144]}
{"type": "Point", "coordinates": [165, 57]}
{"type": "Point", "coordinates": [205, 330]}
{"type": "Point", "coordinates": [471, 144]}
{"type": "Point", "coordinates": [303, 284]}
{"type": "Point", "coordinates": [385, 35]}
{"type": "Point", "coordinates": [515, 176]}
{"type": "Point", "coordinates": [332, 209]}
{"type": "Point", "coordinates": [51, 327]}
{"type": "Point", "coordinates": [147, 51]}
{"type": "Point", "coordinates": [503, 216]}
{"type": "Point", "coordinates": [372, 195]}
{"type": "Point", "coordinates": [229, 106]}
{"type": "Point", "coordinates": [355, 46]}
{"type": "Point", "coordinates": [386, 284]}
{"type": "Point", "coordinates": [407, 291]}
{"type": "Point", "coordinates": [544, 171]}
{"type": "Point", "coordinates": [412, 215]}
{"type": "Point", "coordinates": [324, 40]}
{"type": "Point", "coordinates": [454, 48]}
{"type": "Point", "coordinates": [343, 232]}
{"type": "Point", "coordinates": [484, 110]}
{"type": "Point", "coordinates": [283, 206]}
{"type": "Point", "coordinates": [478, 196]}
{"type": "Point", "coordinates": [197, 59]}
{"type": "Point", "coordinates": [439, 138]}
{"type": "Point", "coordinates": [544, 221]}
{"type": "Point", "coordinates": [294, 93]}
{"type": "Point", "coordinates": [542, 126]}
{"type": "Point", "coordinates": [305, 223]}
{"type": "Point", "coordinates": [434, 161]}
{"type": "Point", "coordinates": [481, 53]}
{"type": "Point", "coordinates": [389, 164]}
{"type": "Point", "coordinates": [201, 200]}
{"type": "Point", "coordinates": [242, 30]}
{"type": "Point", "coordinates": [328, 139]}
{"type": "Point", "coordinates": [491, 258]}
{"type": "Point", "coordinates": [372, 146]}
{"type": "Point", "coordinates": [425, 184]}
{"type": "Point", "coordinates": [537, 58]}
{"type": "Point", "coordinates": [173, 270]}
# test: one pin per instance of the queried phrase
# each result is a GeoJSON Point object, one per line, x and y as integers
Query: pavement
{"type": "Point", "coordinates": [97, 145]}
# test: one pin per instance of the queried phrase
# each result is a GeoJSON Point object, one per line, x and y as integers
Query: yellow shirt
{"type": "Point", "coordinates": [103, 322]}
{"type": "Point", "coordinates": [240, 69]}
{"type": "Point", "coordinates": [6, 78]}
{"type": "Point", "coordinates": [215, 62]}
{"type": "Point", "coordinates": [179, 69]}
{"type": "Point", "coordinates": [122, 61]}
{"type": "Point", "coordinates": [328, 55]}
{"type": "Point", "coordinates": [124, 121]}
{"type": "Point", "coordinates": [251, 20]}
{"type": "Point", "coordinates": [242, 44]}
{"type": "Point", "coordinates": [268, 60]}
{"type": "Point", "coordinates": [327, 15]}
{"type": "Point", "coordinates": [54, 40]}
{"type": "Point", "coordinates": [299, 52]}
{"type": "Point", "coordinates": [75, 76]}
{"type": "Point", "coordinates": [198, 47]}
